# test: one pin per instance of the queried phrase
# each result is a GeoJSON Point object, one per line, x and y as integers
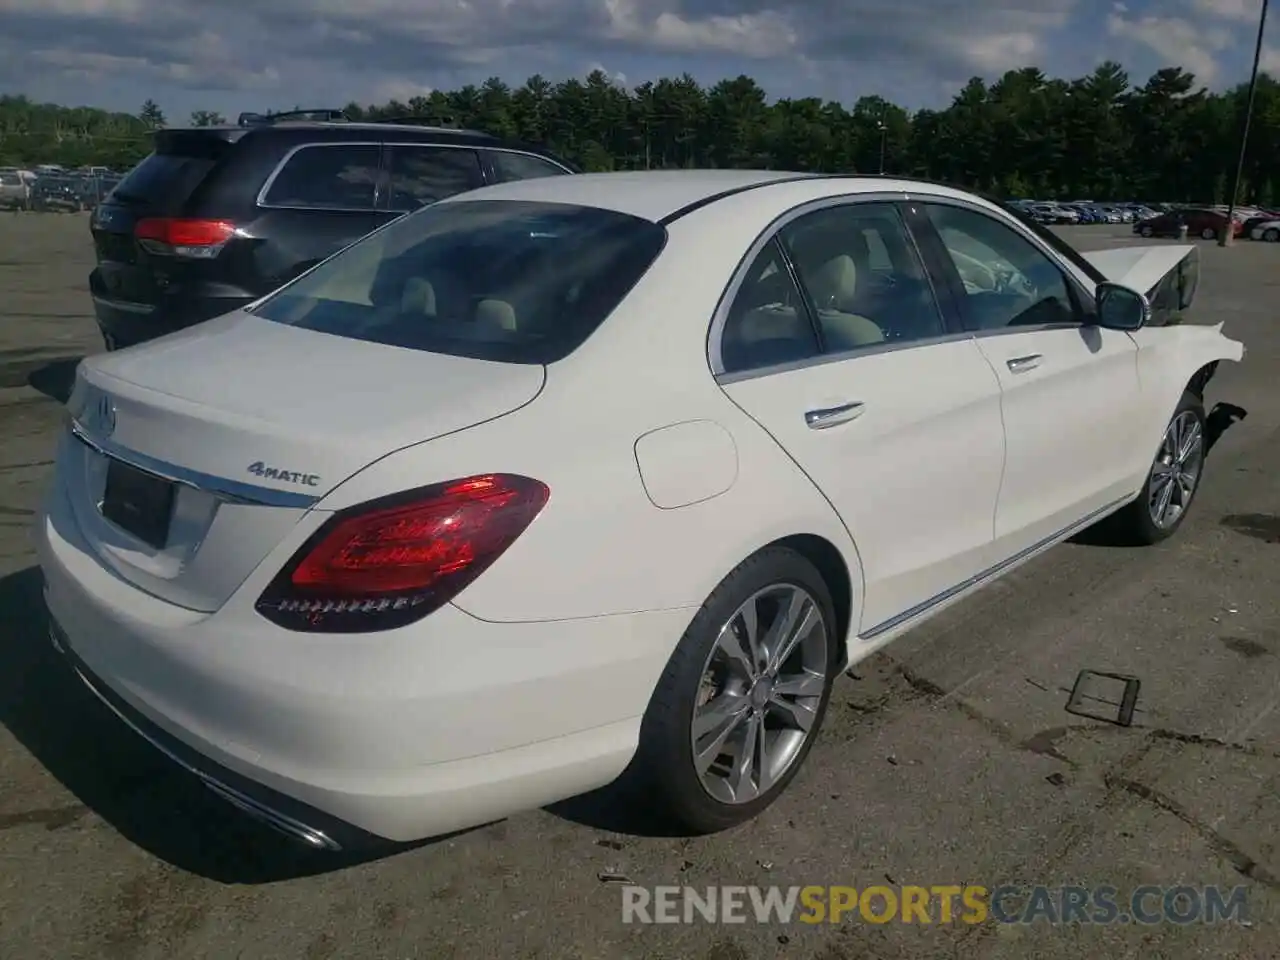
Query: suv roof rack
{"type": "Point", "coordinates": [437, 121]}
{"type": "Point", "coordinates": [322, 115]}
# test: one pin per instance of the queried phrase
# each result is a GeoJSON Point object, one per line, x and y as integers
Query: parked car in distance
{"type": "Point", "coordinates": [1200, 222]}
{"type": "Point", "coordinates": [1261, 216]}
{"type": "Point", "coordinates": [216, 217]}
{"type": "Point", "coordinates": [351, 554]}
{"type": "Point", "coordinates": [1053, 213]}
{"type": "Point", "coordinates": [1268, 230]}
{"type": "Point", "coordinates": [15, 192]}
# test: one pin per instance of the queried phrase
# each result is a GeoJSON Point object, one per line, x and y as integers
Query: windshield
{"type": "Point", "coordinates": [506, 280]}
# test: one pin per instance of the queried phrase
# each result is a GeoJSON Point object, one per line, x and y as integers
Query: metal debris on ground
{"type": "Point", "coordinates": [1111, 697]}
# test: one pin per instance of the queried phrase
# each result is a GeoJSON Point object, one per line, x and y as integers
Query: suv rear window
{"type": "Point", "coordinates": [505, 280]}
{"type": "Point", "coordinates": [163, 179]}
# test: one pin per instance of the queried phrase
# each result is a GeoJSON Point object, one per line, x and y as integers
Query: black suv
{"type": "Point", "coordinates": [217, 217]}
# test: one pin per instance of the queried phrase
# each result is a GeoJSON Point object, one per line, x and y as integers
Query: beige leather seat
{"type": "Point", "coordinates": [834, 286]}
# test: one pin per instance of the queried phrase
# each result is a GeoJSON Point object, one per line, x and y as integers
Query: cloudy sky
{"type": "Point", "coordinates": [232, 55]}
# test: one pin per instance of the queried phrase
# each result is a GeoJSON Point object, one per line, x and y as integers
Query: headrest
{"type": "Point", "coordinates": [497, 314]}
{"type": "Point", "coordinates": [418, 297]}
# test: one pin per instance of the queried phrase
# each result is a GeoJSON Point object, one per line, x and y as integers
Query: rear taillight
{"type": "Point", "coordinates": [390, 562]}
{"type": "Point", "coordinates": [192, 239]}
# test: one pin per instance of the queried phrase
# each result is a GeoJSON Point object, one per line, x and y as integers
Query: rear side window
{"type": "Point", "coordinates": [522, 166]}
{"type": "Point", "coordinates": [328, 177]}
{"type": "Point", "coordinates": [505, 280]}
{"type": "Point", "coordinates": [164, 179]}
{"type": "Point", "coordinates": [418, 176]}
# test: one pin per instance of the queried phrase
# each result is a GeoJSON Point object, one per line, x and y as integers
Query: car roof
{"type": "Point", "coordinates": [304, 131]}
{"type": "Point", "coordinates": [663, 195]}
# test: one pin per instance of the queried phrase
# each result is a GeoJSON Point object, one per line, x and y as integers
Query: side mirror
{"type": "Point", "coordinates": [1121, 307]}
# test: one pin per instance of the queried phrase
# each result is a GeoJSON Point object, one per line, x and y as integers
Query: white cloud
{"type": "Point", "coordinates": [1176, 40]}
{"type": "Point", "coordinates": [1241, 11]}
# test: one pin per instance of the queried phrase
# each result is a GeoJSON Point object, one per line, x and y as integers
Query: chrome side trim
{"type": "Point", "coordinates": [231, 491]}
{"type": "Point", "coordinates": [993, 571]}
{"type": "Point", "coordinates": [295, 829]}
{"type": "Point", "coordinates": [889, 346]}
{"type": "Point", "coordinates": [123, 305]}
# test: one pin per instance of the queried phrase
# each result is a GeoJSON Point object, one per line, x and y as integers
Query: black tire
{"type": "Point", "coordinates": [1134, 524]}
{"type": "Point", "coordinates": [1147, 232]}
{"type": "Point", "coordinates": [1271, 235]}
{"type": "Point", "coordinates": [1208, 233]}
{"type": "Point", "coordinates": [664, 764]}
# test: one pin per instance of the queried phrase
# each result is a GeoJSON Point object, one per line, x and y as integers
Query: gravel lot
{"type": "Point", "coordinates": [948, 760]}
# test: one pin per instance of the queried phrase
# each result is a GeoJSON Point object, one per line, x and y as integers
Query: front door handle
{"type": "Point", "coordinates": [1023, 364]}
{"type": "Point", "coordinates": [832, 416]}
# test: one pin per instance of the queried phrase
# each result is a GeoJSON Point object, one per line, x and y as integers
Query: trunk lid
{"type": "Point", "coordinates": [257, 421]}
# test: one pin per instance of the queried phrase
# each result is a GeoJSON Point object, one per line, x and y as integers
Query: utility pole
{"type": "Point", "coordinates": [884, 133]}
{"type": "Point", "coordinates": [1228, 234]}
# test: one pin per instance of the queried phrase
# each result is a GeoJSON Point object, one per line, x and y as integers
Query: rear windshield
{"type": "Point", "coordinates": [512, 281]}
{"type": "Point", "coordinates": [163, 179]}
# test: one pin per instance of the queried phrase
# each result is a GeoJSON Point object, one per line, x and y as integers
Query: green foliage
{"type": "Point", "coordinates": [1025, 134]}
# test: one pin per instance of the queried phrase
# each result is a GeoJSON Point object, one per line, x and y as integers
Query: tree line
{"type": "Point", "coordinates": [1026, 134]}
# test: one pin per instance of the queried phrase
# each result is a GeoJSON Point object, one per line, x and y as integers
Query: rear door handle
{"type": "Point", "coordinates": [825, 417]}
{"type": "Point", "coordinates": [1023, 364]}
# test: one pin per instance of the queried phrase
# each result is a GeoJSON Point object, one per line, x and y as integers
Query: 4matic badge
{"type": "Point", "coordinates": [260, 469]}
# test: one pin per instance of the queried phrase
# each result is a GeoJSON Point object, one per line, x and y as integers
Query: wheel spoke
{"type": "Point", "coordinates": [1188, 442]}
{"type": "Point", "coordinates": [738, 651]}
{"type": "Point", "coordinates": [1186, 487]}
{"type": "Point", "coordinates": [801, 617]}
{"type": "Point", "coordinates": [741, 776]}
{"type": "Point", "coordinates": [1162, 503]}
{"type": "Point", "coordinates": [800, 685]}
{"type": "Point", "coordinates": [717, 720]}
{"type": "Point", "coordinates": [795, 714]}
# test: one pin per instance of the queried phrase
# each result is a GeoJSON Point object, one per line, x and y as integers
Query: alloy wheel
{"type": "Point", "coordinates": [1272, 235]}
{"type": "Point", "coordinates": [761, 690]}
{"type": "Point", "coordinates": [1176, 472]}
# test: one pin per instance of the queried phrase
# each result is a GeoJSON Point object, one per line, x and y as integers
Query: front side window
{"type": "Point", "coordinates": [504, 280]}
{"type": "Point", "coordinates": [1008, 281]}
{"type": "Point", "coordinates": [417, 176]}
{"type": "Point", "coordinates": [327, 176]}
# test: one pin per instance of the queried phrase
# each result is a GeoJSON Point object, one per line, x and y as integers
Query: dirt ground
{"type": "Point", "coordinates": [948, 759]}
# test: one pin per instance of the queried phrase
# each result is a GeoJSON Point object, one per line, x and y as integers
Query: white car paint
{"type": "Point", "coordinates": [530, 685]}
{"type": "Point", "coordinates": [1139, 267]}
{"type": "Point", "coordinates": [1267, 230]}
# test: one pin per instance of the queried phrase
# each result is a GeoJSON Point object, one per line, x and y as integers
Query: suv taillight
{"type": "Point", "coordinates": [192, 239]}
{"type": "Point", "coordinates": [390, 562]}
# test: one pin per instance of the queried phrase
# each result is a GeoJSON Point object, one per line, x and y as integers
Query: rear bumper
{"type": "Point", "coordinates": [443, 725]}
{"type": "Point", "coordinates": [126, 324]}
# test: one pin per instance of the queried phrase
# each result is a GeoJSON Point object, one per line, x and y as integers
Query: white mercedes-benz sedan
{"type": "Point", "coordinates": [582, 475]}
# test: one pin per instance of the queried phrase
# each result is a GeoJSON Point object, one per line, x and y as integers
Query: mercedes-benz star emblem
{"type": "Point", "coordinates": [106, 416]}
